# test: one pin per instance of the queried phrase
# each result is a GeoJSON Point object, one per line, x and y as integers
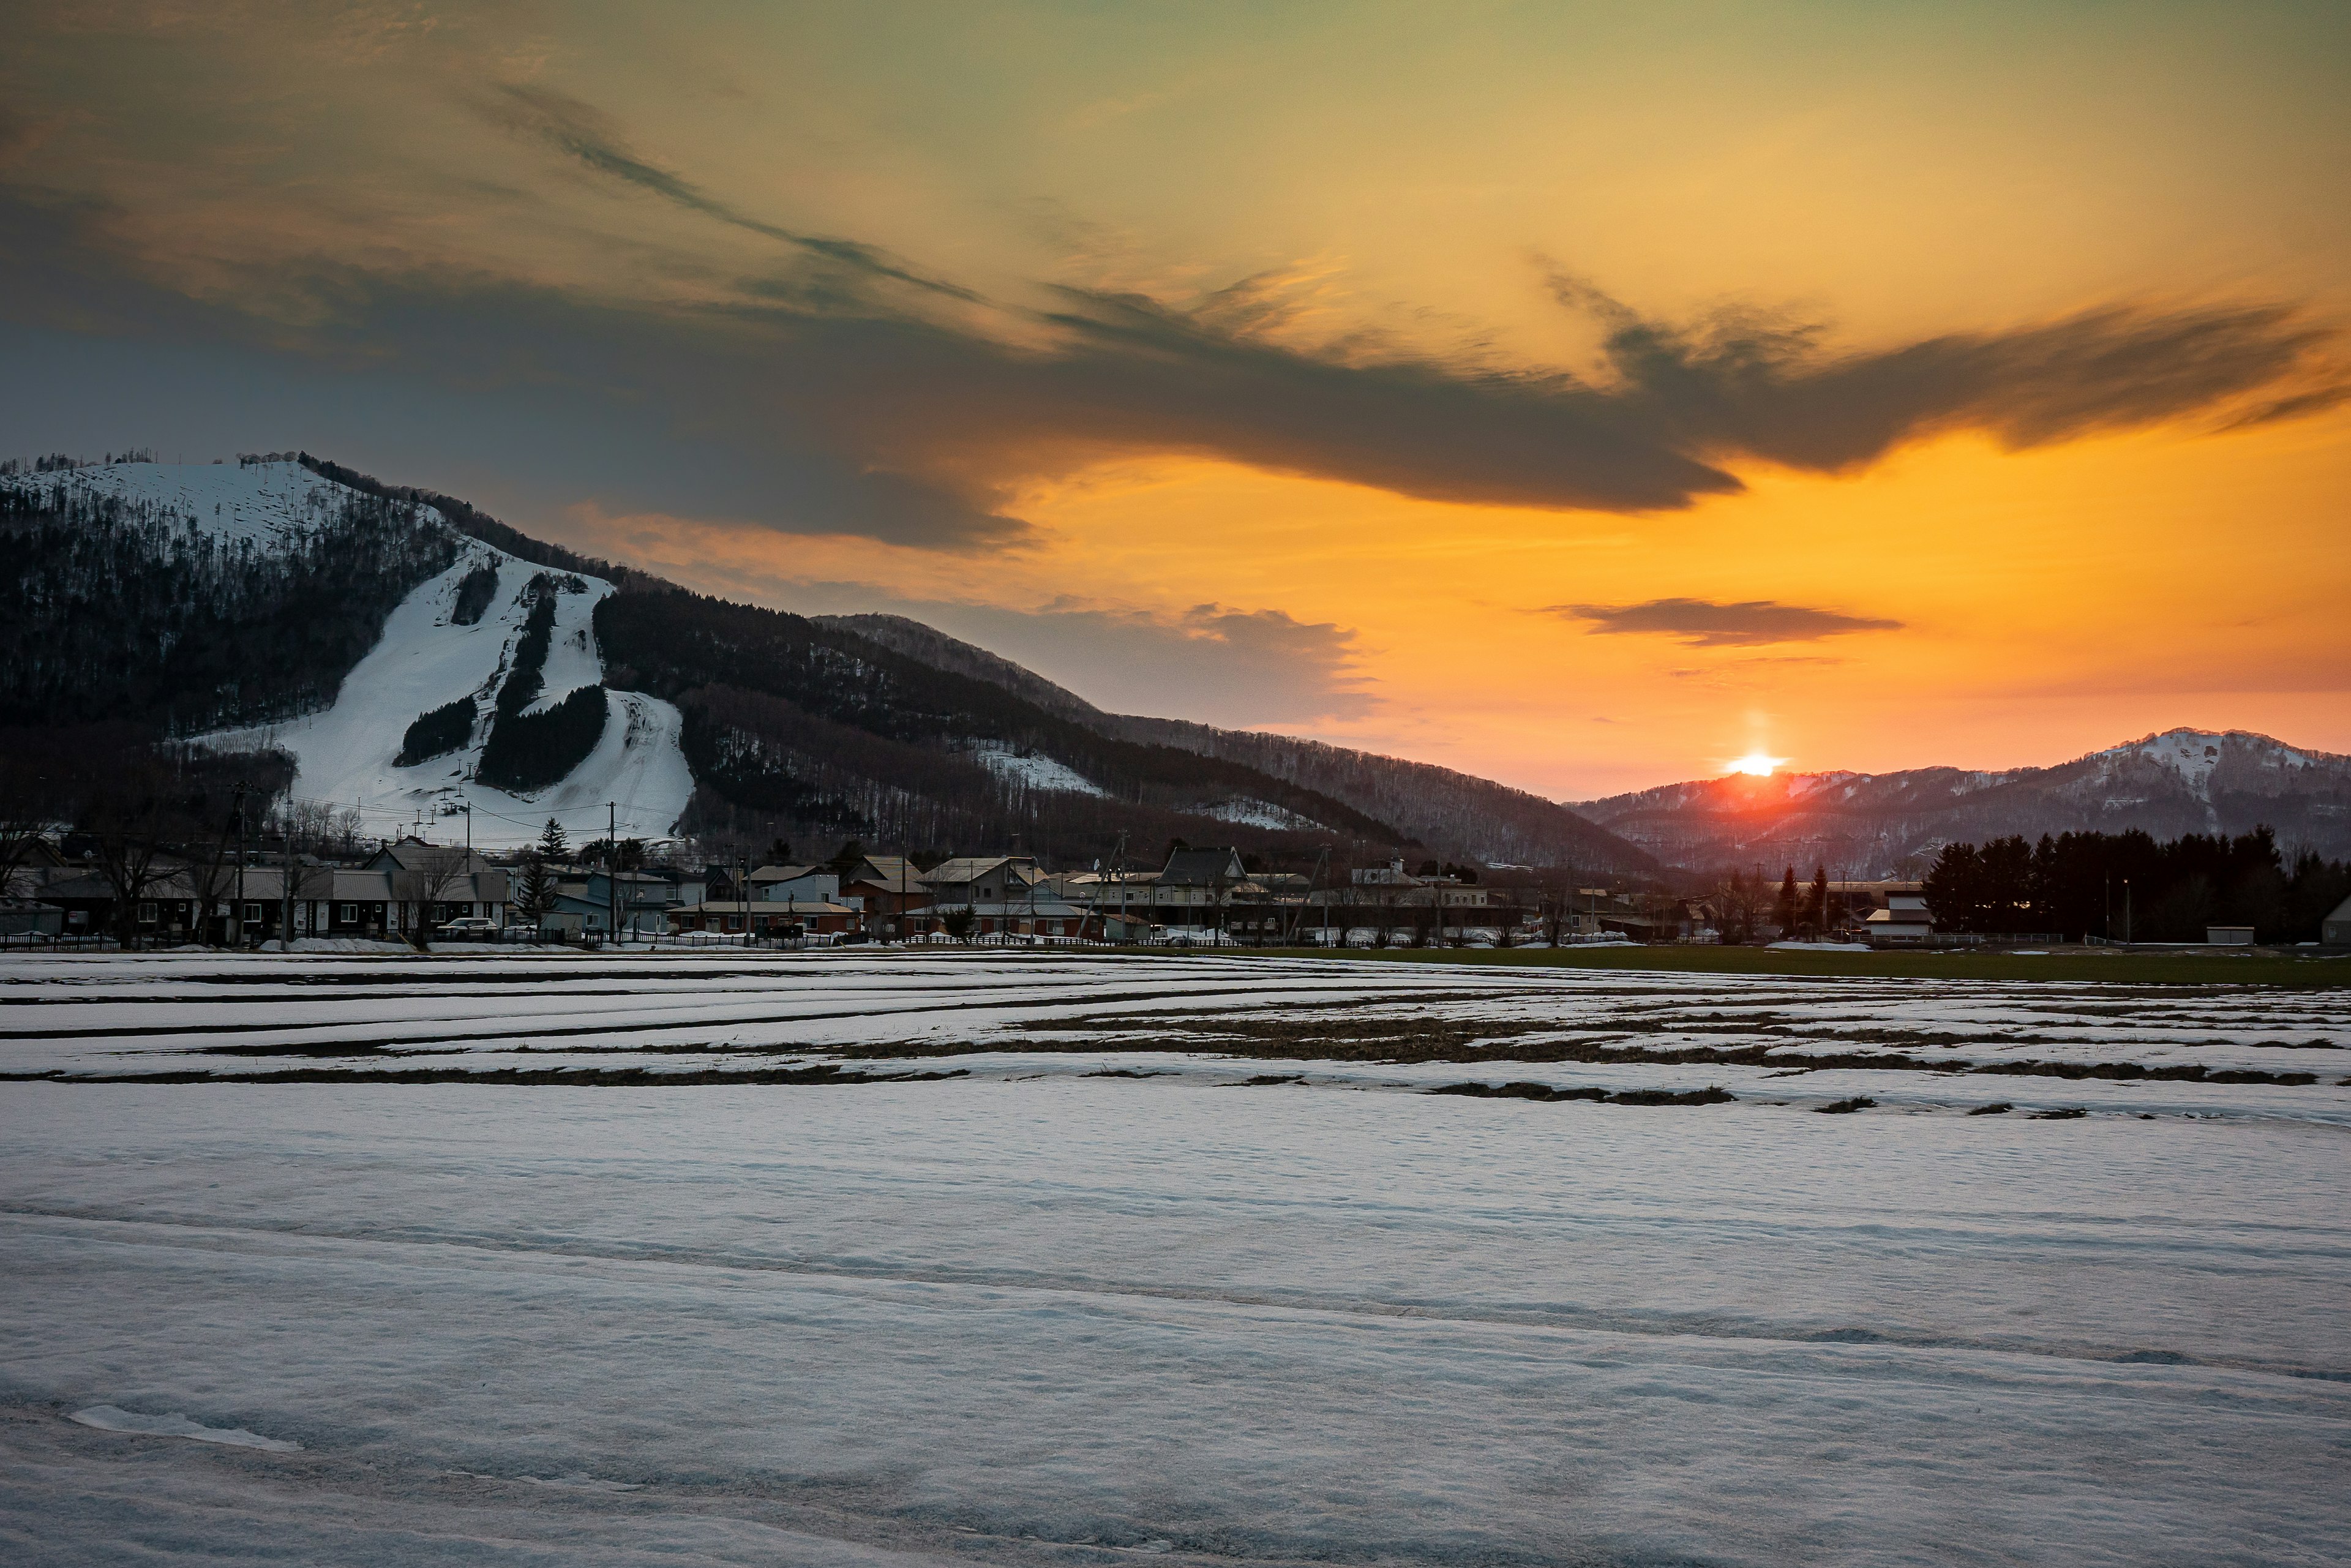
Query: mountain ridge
{"type": "Point", "coordinates": [2167, 783]}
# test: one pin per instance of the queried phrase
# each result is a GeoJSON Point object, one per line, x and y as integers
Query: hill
{"type": "Point", "coordinates": [2179, 781]}
{"type": "Point", "coordinates": [407, 655]}
{"type": "Point", "coordinates": [1456, 816]}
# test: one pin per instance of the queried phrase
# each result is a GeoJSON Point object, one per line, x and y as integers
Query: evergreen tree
{"type": "Point", "coordinates": [536, 893]}
{"type": "Point", "coordinates": [554, 844]}
{"type": "Point", "coordinates": [1819, 912]}
{"type": "Point", "coordinates": [1785, 911]}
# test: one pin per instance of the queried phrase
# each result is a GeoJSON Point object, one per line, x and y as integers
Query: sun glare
{"type": "Point", "coordinates": [1756, 765]}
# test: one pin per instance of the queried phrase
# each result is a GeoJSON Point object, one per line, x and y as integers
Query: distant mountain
{"type": "Point", "coordinates": [2181, 781]}
{"type": "Point", "coordinates": [1455, 816]}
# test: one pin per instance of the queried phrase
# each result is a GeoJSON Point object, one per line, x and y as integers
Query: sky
{"type": "Point", "coordinates": [1580, 396]}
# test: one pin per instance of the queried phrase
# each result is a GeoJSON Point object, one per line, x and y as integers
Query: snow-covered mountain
{"type": "Point", "coordinates": [411, 656]}
{"type": "Point", "coordinates": [2179, 781]}
{"type": "Point", "coordinates": [430, 653]}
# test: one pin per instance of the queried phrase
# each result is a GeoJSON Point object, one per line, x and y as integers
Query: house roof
{"type": "Point", "coordinates": [784, 873]}
{"type": "Point", "coordinates": [415, 855]}
{"type": "Point", "coordinates": [891, 873]}
{"type": "Point", "coordinates": [1202, 868]}
{"type": "Point", "coordinates": [971, 868]}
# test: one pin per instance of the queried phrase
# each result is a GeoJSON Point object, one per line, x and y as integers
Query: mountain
{"type": "Point", "coordinates": [407, 655]}
{"type": "Point", "coordinates": [2179, 781]}
{"type": "Point", "coordinates": [403, 665]}
{"type": "Point", "coordinates": [1453, 815]}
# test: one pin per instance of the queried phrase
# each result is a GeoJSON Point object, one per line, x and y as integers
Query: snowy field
{"type": "Point", "coordinates": [921, 1258]}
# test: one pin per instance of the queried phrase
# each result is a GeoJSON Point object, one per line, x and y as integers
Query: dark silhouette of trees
{"type": "Point", "coordinates": [121, 609]}
{"type": "Point", "coordinates": [474, 591]}
{"type": "Point", "coordinates": [532, 750]}
{"type": "Point", "coordinates": [438, 733]}
{"type": "Point", "coordinates": [2076, 885]}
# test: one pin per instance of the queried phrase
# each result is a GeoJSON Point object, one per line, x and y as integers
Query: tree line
{"type": "Point", "coordinates": [2131, 884]}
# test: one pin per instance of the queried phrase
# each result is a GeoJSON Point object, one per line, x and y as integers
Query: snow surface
{"type": "Point", "coordinates": [265, 504]}
{"type": "Point", "coordinates": [1033, 1316]}
{"type": "Point", "coordinates": [344, 755]}
{"type": "Point", "coordinates": [1034, 770]}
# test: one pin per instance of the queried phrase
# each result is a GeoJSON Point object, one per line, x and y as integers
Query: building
{"type": "Point", "coordinates": [974, 880]}
{"type": "Point", "coordinates": [1903, 923]}
{"type": "Point", "coordinates": [885, 887]}
{"type": "Point", "coordinates": [767, 917]}
{"type": "Point", "coordinates": [784, 884]}
{"type": "Point", "coordinates": [1042, 916]}
{"type": "Point", "coordinates": [2335, 929]}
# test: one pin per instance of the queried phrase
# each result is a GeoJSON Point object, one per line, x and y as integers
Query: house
{"type": "Point", "coordinates": [430, 885]}
{"type": "Point", "coordinates": [1903, 923]}
{"type": "Point", "coordinates": [767, 917]}
{"type": "Point", "coordinates": [642, 899]}
{"type": "Point", "coordinates": [2335, 929]}
{"type": "Point", "coordinates": [972, 880]}
{"type": "Point", "coordinates": [885, 887]}
{"type": "Point", "coordinates": [1009, 920]}
{"type": "Point", "coordinates": [784, 884]}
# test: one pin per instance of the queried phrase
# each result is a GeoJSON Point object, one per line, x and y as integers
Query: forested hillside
{"type": "Point", "coordinates": [122, 610]}
{"type": "Point", "coordinates": [818, 723]}
{"type": "Point", "coordinates": [1455, 815]}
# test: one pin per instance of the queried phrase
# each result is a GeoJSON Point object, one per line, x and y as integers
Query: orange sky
{"type": "Point", "coordinates": [1220, 363]}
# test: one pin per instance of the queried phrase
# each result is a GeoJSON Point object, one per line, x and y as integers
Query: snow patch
{"type": "Point", "coordinates": [110, 1418]}
{"type": "Point", "coordinates": [1246, 812]}
{"type": "Point", "coordinates": [1035, 770]}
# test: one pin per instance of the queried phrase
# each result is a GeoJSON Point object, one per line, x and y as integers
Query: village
{"type": "Point", "coordinates": [70, 890]}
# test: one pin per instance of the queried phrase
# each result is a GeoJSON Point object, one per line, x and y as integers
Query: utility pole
{"type": "Point", "coordinates": [236, 915]}
{"type": "Point", "coordinates": [286, 884]}
{"type": "Point", "coordinates": [612, 865]}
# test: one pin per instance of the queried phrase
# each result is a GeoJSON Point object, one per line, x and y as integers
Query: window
{"type": "Point", "coordinates": [146, 914]}
{"type": "Point", "coordinates": [252, 912]}
{"type": "Point", "coordinates": [347, 914]}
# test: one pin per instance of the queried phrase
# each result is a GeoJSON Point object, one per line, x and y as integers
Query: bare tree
{"type": "Point", "coordinates": [434, 869]}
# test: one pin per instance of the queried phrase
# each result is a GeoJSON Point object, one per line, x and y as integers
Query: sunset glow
{"type": "Point", "coordinates": [1300, 370]}
{"type": "Point", "coordinates": [1756, 765]}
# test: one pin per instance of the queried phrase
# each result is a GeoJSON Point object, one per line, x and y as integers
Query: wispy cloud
{"type": "Point", "coordinates": [591, 137]}
{"type": "Point", "coordinates": [1701, 623]}
{"type": "Point", "coordinates": [848, 389]}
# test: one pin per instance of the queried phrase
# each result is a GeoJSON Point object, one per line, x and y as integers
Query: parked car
{"type": "Point", "coordinates": [471, 928]}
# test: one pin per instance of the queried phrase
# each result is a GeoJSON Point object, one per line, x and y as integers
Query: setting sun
{"type": "Point", "coordinates": [1757, 765]}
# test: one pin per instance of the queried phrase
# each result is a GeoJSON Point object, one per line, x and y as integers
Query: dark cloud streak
{"type": "Point", "coordinates": [584, 133]}
{"type": "Point", "coordinates": [1701, 623]}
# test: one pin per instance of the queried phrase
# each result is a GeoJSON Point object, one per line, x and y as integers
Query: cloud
{"type": "Point", "coordinates": [846, 391]}
{"type": "Point", "coordinates": [1746, 382]}
{"type": "Point", "coordinates": [590, 137]}
{"type": "Point", "coordinates": [1701, 623]}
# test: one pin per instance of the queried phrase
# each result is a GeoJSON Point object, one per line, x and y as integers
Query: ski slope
{"type": "Point", "coordinates": [344, 756]}
{"type": "Point", "coordinates": [347, 754]}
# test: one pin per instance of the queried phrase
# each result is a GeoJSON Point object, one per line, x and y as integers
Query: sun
{"type": "Point", "coordinates": [1756, 765]}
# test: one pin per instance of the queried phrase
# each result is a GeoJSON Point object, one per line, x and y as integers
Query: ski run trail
{"type": "Point", "coordinates": [995, 1258]}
